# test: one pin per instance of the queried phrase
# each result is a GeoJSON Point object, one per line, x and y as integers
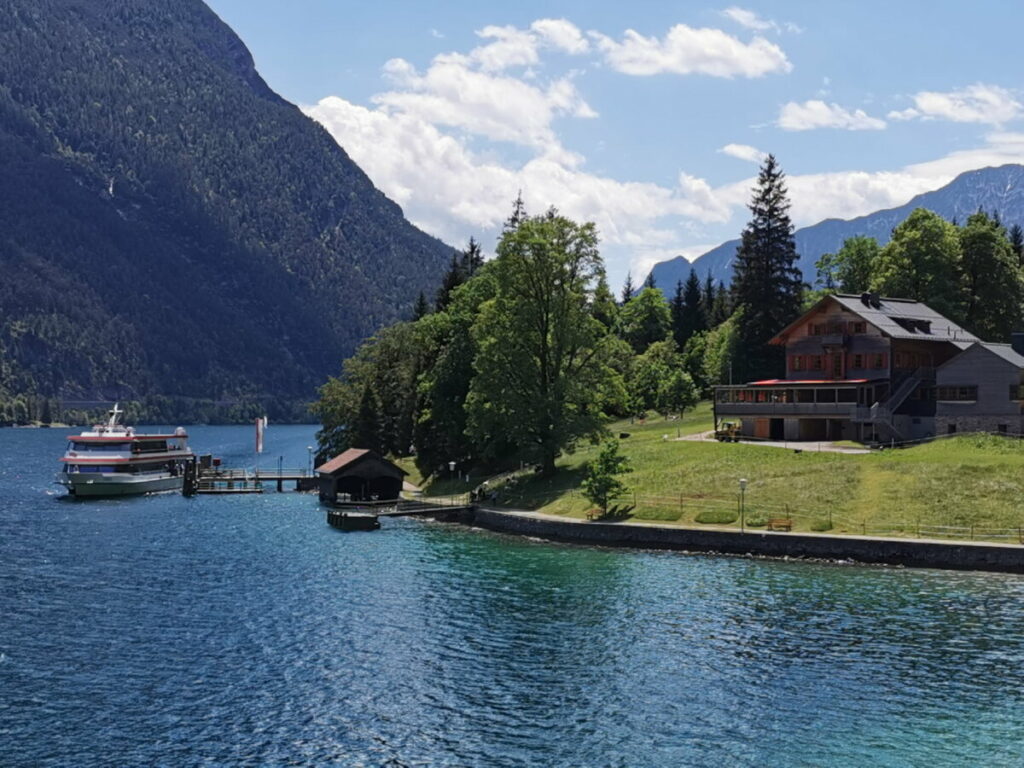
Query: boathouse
{"type": "Point", "coordinates": [359, 474]}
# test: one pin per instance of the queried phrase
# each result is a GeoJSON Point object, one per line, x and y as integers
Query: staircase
{"type": "Point", "coordinates": [881, 413]}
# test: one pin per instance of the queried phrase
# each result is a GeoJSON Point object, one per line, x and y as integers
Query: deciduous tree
{"type": "Point", "coordinates": [539, 368]}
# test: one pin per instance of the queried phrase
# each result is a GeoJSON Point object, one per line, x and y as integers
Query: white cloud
{"type": "Point", "coordinates": [978, 103]}
{"type": "Point", "coordinates": [500, 107]}
{"type": "Point", "coordinates": [817, 114]}
{"type": "Point", "coordinates": [744, 152]}
{"type": "Point", "coordinates": [561, 34]}
{"type": "Point", "coordinates": [686, 50]}
{"type": "Point", "coordinates": [434, 143]}
{"type": "Point", "coordinates": [749, 19]}
{"type": "Point", "coordinates": [452, 192]}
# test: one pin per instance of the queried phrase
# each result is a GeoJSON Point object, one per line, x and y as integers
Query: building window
{"type": "Point", "coordinates": [951, 429]}
{"type": "Point", "coordinates": [816, 363]}
{"type": "Point", "coordinates": [878, 361]}
{"type": "Point", "coordinates": [858, 327]}
{"type": "Point", "coordinates": [1015, 392]}
{"type": "Point", "coordinates": [1002, 428]}
{"type": "Point", "coordinates": [956, 394]}
{"type": "Point", "coordinates": [858, 361]}
{"type": "Point", "coordinates": [798, 362]}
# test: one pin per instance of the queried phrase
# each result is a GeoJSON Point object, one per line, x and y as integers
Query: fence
{"type": "Point", "coordinates": [733, 512]}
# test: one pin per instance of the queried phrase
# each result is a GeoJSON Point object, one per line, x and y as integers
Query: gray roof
{"type": "Point", "coordinates": [1006, 352]}
{"type": "Point", "coordinates": [885, 316]}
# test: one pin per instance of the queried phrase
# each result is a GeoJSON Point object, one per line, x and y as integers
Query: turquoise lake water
{"type": "Point", "coordinates": [244, 631]}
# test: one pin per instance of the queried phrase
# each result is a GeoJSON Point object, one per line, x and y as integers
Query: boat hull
{"type": "Point", "coordinates": [97, 485]}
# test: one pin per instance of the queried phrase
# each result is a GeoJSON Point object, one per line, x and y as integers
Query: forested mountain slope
{"type": "Point", "coordinates": [991, 189]}
{"type": "Point", "coordinates": [169, 225]}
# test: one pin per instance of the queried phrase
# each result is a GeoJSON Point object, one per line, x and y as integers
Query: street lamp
{"type": "Point", "coordinates": [743, 503]}
{"type": "Point", "coordinates": [309, 451]}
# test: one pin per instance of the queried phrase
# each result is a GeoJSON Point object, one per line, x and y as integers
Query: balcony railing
{"type": "Point", "coordinates": [845, 410]}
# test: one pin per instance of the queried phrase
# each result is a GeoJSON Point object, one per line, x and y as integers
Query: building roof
{"type": "Point", "coordinates": [343, 459]}
{"type": "Point", "coordinates": [896, 318]}
{"type": "Point", "coordinates": [354, 456]}
{"type": "Point", "coordinates": [1005, 351]}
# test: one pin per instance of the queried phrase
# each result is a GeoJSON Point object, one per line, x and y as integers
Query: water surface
{"type": "Point", "coordinates": [244, 631]}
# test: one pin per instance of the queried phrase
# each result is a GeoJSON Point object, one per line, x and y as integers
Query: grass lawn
{"type": "Point", "coordinates": [961, 482]}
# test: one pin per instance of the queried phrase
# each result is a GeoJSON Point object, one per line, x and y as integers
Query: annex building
{"type": "Point", "coordinates": [876, 369]}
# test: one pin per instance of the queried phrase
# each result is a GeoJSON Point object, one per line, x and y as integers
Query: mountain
{"type": "Point", "coordinates": [169, 226]}
{"type": "Point", "coordinates": [992, 189]}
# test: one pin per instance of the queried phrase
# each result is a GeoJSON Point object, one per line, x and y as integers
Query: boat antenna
{"type": "Point", "coordinates": [114, 413]}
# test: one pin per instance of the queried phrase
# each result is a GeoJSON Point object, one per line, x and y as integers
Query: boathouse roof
{"type": "Point", "coordinates": [353, 456]}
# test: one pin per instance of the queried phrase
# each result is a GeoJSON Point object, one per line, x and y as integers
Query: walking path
{"type": "Point", "coordinates": [792, 445]}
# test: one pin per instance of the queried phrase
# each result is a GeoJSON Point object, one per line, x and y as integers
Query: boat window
{"type": "Point", "coordinates": [97, 468]}
{"type": "Point", "coordinates": [99, 447]}
{"type": "Point", "coordinates": [151, 446]}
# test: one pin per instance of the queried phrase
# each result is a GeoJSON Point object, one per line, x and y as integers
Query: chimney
{"type": "Point", "coordinates": [865, 299]}
{"type": "Point", "coordinates": [1017, 342]}
{"type": "Point", "coordinates": [876, 300]}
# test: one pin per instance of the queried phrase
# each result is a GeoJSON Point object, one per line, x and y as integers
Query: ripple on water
{"type": "Point", "coordinates": [245, 631]}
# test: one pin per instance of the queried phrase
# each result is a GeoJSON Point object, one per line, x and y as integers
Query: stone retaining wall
{"type": "Point", "coordinates": [909, 552]}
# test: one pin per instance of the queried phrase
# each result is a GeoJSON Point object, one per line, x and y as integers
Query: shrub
{"type": "Point", "coordinates": [756, 520]}
{"type": "Point", "coordinates": [820, 524]}
{"type": "Point", "coordinates": [718, 516]}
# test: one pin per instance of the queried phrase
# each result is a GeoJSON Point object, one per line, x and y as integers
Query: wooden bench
{"type": "Point", "coordinates": [780, 524]}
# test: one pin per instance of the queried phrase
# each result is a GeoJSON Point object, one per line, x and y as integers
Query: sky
{"type": "Point", "coordinates": [648, 118]}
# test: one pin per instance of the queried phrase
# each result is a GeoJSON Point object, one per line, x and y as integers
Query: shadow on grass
{"type": "Point", "coordinates": [616, 514]}
{"type": "Point", "coordinates": [535, 491]}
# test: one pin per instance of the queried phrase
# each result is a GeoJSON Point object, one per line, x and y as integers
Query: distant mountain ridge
{"type": "Point", "coordinates": [992, 189]}
{"type": "Point", "coordinates": [171, 226]}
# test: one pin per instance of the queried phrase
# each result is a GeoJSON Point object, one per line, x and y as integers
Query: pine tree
{"type": "Point", "coordinates": [366, 430]}
{"type": "Point", "coordinates": [692, 318]}
{"type": "Point", "coordinates": [628, 289]}
{"type": "Point", "coordinates": [708, 298]}
{"type": "Point", "coordinates": [453, 278]}
{"type": "Point", "coordinates": [421, 308]}
{"type": "Point", "coordinates": [1017, 243]}
{"type": "Point", "coordinates": [675, 306]}
{"type": "Point", "coordinates": [723, 306]}
{"type": "Point", "coordinates": [603, 306]}
{"type": "Point", "coordinates": [518, 214]}
{"type": "Point", "coordinates": [649, 282]}
{"type": "Point", "coordinates": [767, 284]}
{"type": "Point", "coordinates": [472, 259]}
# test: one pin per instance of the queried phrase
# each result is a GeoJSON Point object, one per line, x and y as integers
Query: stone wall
{"type": "Point", "coordinates": [966, 423]}
{"type": "Point", "coordinates": [927, 554]}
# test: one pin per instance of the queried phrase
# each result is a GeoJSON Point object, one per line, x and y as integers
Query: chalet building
{"type": "Point", "coordinates": [874, 369]}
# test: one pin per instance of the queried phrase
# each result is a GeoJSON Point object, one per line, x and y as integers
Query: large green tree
{"type": "Point", "coordinates": [991, 279]}
{"type": "Point", "coordinates": [921, 262]}
{"type": "Point", "coordinates": [767, 284]}
{"type": "Point", "coordinates": [645, 320]}
{"type": "Point", "coordinates": [849, 269]}
{"type": "Point", "coordinates": [540, 375]}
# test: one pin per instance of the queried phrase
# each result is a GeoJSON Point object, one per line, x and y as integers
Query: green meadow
{"type": "Point", "coordinates": [956, 487]}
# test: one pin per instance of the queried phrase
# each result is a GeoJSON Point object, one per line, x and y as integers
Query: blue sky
{"type": "Point", "coordinates": [647, 117]}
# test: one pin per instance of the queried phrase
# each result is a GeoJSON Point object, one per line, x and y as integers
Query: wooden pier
{"type": "Point", "coordinates": [207, 479]}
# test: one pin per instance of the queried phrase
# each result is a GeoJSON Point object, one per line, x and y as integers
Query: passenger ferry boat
{"type": "Point", "coordinates": [113, 460]}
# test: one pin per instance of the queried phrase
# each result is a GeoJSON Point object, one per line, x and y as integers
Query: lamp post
{"type": "Point", "coordinates": [743, 504]}
{"type": "Point", "coordinates": [309, 452]}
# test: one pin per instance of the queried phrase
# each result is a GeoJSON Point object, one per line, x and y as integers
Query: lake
{"type": "Point", "coordinates": [242, 630]}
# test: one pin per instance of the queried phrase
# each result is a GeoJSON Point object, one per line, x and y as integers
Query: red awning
{"type": "Point", "coordinates": [793, 382]}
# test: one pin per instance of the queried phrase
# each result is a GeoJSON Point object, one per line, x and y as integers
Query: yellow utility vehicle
{"type": "Point", "coordinates": [728, 432]}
